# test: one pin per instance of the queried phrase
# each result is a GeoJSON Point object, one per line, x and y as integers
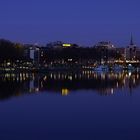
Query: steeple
{"type": "Point", "coordinates": [131, 41]}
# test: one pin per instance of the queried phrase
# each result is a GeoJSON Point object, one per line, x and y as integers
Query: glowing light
{"type": "Point", "coordinates": [130, 74]}
{"type": "Point", "coordinates": [8, 63]}
{"type": "Point", "coordinates": [65, 92]}
{"type": "Point", "coordinates": [112, 91]}
{"type": "Point", "coordinates": [66, 45]}
{"type": "Point", "coordinates": [70, 60]}
{"type": "Point", "coordinates": [37, 89]}
{"type": "Point", "coordinates": [45, 78]}
{"type": "Point", "coordinates": [70, 78]}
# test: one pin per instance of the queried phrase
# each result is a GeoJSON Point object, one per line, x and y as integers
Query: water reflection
{"type": "Point", "coordinates": [64, 83]}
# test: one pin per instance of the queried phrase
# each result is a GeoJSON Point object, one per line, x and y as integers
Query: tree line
{"type": "Point", "coordinates": [10, 51]}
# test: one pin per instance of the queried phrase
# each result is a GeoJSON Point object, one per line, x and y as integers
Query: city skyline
{"type": "Point", "coordinates": [131, 42]}
{"type": "Point", "coordinates": [69, 69]}
{"type": "Point", "coordinates": [84, 23]}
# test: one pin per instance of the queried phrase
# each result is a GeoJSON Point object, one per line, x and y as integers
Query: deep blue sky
{"type": "Point", "coordinates": [78, 21]}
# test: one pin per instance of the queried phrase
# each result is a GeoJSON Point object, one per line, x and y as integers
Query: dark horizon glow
{"type": "Point", "coordinates": [83, 22]}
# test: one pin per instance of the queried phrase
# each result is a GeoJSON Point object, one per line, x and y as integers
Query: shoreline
{"type": "Point", "coordinates": [40, 70]}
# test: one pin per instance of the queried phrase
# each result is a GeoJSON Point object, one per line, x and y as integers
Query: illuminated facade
{"type": "Point", "coordinates": [104, 45]}
{"type": "Point", "coordinates": [66, 45]}
{"type": "Point", "coordinates": [32, 52]}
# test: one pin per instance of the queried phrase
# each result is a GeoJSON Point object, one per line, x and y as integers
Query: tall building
{"type": "Point", "coordinates": [107, 51]}
{"type": "Point", "coordinates": [131, 50]}
{"type": "Point", "coordinates": [32, 52]}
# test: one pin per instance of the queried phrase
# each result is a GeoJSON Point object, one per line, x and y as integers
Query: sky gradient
{"type": "Point", "coordinates": [78, 21]}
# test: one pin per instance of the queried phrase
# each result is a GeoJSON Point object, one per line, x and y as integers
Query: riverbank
{"type": "Point", "coordinates": [100, 68]}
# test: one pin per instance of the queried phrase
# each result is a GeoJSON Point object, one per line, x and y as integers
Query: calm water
{"type": "Point", "coordinates": [70, 106]}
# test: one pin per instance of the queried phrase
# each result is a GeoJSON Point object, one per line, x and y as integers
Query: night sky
{"type": "Point", "coordinates": [85, 22]}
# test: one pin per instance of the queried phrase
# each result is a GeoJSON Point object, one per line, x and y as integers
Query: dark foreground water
{"type": "Point", "coordinates": [70, 106]}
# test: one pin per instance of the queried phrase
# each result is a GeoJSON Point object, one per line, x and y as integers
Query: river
{"type": "Point", "coordinates": [70, 106]}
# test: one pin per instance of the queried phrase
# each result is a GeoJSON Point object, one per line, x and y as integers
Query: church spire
{"type": "Point", "coordinates": [131, 41]}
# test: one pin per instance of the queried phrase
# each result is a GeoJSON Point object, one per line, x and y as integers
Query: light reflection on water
{"type": "Point", "coordinates": [63, 83]}
{"type": "Point", "coordinates": [84, 106]}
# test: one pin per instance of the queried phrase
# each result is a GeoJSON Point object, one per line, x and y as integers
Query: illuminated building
{"type": "Point", "coordinates": [130, 51]}
{"type": "Point", "coordinates": [104, 45]}
{"type": "Point", "coordinates": [106, 50]}
{"type": "Point", "coordinates": [66, 45]}
{"type": "Point", "coordinates": [32, 52]}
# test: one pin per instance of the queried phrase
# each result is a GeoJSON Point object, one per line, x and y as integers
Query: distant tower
{"type": "Point", "coordinates": [131, 41]}
{"type": "Point", "coordinates": [130, 51]}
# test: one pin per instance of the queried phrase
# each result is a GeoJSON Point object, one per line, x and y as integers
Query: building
{"type": "Point", "coordinates": [131, 51]}
{"type": "Point", "coordinates": [120, 53]}
{"type": "Point", "coordinates": [107, 51]}
{"type": "Point", "coordinates": [32, 52]}
{"type": "Point", "coordinates": [105, 45]}
{"type": "Point", "coordinates": [60, 45]}
{"type": "Point", "coordinates": [138, 53]}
